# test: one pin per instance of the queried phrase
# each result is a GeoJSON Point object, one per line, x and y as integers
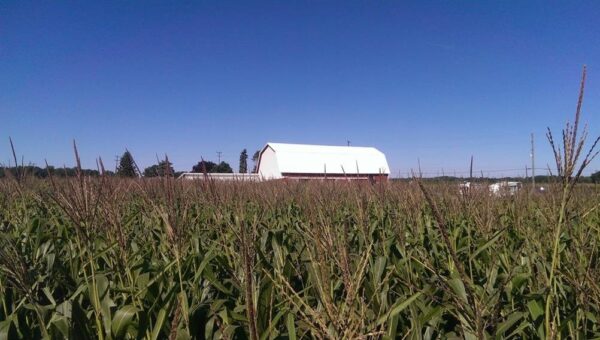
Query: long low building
{"type": "Point", "coordinates": [220, 176]}
{"type": "Point", "coordinates": [301, 161]}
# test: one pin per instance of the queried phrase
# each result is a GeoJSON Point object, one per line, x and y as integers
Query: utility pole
{"type": "Point", "coordinates": [116, 163]}
{"type": "Point", "coordinates": [219, 156]}
{"type": "Point", "coordinates": [532, 162]}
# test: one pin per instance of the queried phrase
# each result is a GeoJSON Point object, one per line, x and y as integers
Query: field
{"type": "Point", "coordinates": [109, 258]}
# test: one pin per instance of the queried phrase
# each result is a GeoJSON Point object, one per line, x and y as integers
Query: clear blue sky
{"type": "Point", "coordinates": [435, 81]}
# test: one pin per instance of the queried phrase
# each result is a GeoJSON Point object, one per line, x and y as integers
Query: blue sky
{"type": "Point", "coordinates": [437, 81]}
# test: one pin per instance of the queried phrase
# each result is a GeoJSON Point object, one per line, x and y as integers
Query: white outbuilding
{"type": "Point", "coordinates": [301, 161]}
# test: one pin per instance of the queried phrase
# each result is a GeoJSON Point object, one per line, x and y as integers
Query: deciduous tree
{"type": "Point", "coordinates": [223, 168]}
{"type": "Point", "coordinates": [596, 177]}
{"type": "Point", "coordinates": [255, 158]}
{"type": "Point", "coordinates": [204, 166]}
{"type": "Point", "coordinates": [163, 168]}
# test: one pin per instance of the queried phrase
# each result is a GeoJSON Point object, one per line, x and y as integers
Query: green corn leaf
{"type": "Point", "coordinates": [535, 310]}
{"type": "Point", "coordinates": [123, 319]}
{"type": "Point", "coordinates": [507, 324]}
{"type": "Point", "coordinates": [61, 324]}
{"type": "Point", "coordinates": [271, 331]}
{"type": "Point", "coordinates": [158, 324]}
{"type": "Point", "coordinates": [8, 330]}
{"type": "Point", "coordinates": [392, 327]}
{"type": "Point", "coordinates": [291, 328]}
{"type": "Point", "coordinates": [458, 288]}
{"type": "Point", "coordinates": [519, 280]}
{"type": "Point", "coordinates": [378, 269]}
{"type": "Point", "coordinates": [486, 245]}
{"type": "Point", "coordinates": [398, 307]}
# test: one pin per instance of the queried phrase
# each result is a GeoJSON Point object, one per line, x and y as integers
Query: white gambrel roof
{"type": "Point", "coordinates": [319, 159]}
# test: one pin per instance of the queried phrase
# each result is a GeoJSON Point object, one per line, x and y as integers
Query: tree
{"type": "Point", "coordinates": [243, 162]}
{"type": "Point", "coordinates": [223, 167]}
{"type": "Point", "coordinates": [35, 171]}
{"type": "Point", "coordinates": [596, 177]}
{"type": "Point", "coordinates": [163, 168]}
{"type": "Point", "coordinates": [204, 166]}
{"type": "Point", "coordinates": [255, 158]}
{"type": "Point", "coordinates": [211, 167]}
{"type": "Point", "coordinates": [126, 166]}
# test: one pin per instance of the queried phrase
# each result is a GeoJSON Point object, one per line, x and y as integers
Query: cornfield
{"type": "Point", "coordinates": [122, 259]}
{"type": "Point", "coordinates": [109, 258]}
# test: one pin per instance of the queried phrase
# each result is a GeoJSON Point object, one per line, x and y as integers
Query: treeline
{"type": "Point", "coordinates": [36, 171]}
{"type": "Point", "coordinates": [127, 167]}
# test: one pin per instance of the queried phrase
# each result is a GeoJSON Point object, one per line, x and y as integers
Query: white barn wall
{"type": "Point", "coordinates": [269, 167]}
{"type": "Point", "coordinates": [278, 159]}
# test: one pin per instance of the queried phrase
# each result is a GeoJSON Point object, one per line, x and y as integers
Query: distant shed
{"type": "Point", "coordinates": [301, 161]}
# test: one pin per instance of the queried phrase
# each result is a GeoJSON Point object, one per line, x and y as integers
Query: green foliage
{"type": "Point", "coordinates": [204, 166]}
{"type": "Point", "coordinates": [223, 167]}
{"type": "Point", "coordinates": [595, 177]}
{"type": "Point", "coordinates": [126, 166]}
{"type": "Point", "coordinates": [210, 167]}
{"type": "Point", "coordinates": [163, 168]}
{"type": "Point", "coordinates": [182, 259]}
{"type": "Point", "coordinates": [35, 171]}
{"type": "Point", "coordinates": [243, 162]}
{"type": "Point", "coordinates": [255, 158]}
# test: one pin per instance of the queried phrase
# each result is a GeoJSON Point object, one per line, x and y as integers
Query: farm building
{"type": "Point", "coordinates": [220, 176]}
{"type": "Point", "coordinates": [300, 161]}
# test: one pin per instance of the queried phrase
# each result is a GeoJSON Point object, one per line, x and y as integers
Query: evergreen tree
{"type": "Point", "coordinates": [243, 162]}
{"type": "Point", "coordinates": [126, 166]}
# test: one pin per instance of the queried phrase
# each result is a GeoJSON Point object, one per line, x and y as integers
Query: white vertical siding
{"type": "Point", "coordinates": [268, 166]}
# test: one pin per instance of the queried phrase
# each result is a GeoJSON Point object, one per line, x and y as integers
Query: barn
{"type": "Point", "coordinates": [302, 161]}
